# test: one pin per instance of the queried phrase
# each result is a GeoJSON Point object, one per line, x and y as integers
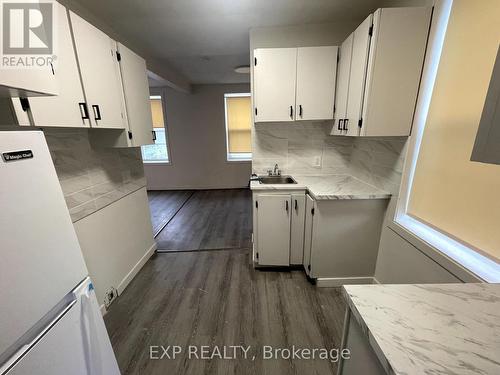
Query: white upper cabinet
{"type": "Point", "coordinates": [316, 73]}
{"type": "Point", "coordinates": [343, 72]}
{"type": "Point", "coordinates": [138, 116]}
{"type": "Point", "coordinates": [357, 76]}
{"type": "Point", "coordinates": [136, 92]}
{"type": "Point", "coordinates": [292, 84]}
{"type": "Point", "coordinates": [68, 108]}
{"type": "Point", "coordinates": [274, 84]}
{"type": "Point", "coordinates": [393, 77]}
{"type": "Point", "coordinates": [100, 73]}
{"type": "Point", "coordinates": [381, 75]}
{"type": "Point", "coordinates": [15, 81]}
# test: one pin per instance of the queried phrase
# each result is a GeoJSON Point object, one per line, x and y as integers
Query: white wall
{"type": "Point", "coordinates": [116, 242]}
{"type": "Point", "coordinates": [197, 141]}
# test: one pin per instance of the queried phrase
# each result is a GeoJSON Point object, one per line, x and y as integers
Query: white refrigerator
{"type": "Point", "coordinates": [50, 323]}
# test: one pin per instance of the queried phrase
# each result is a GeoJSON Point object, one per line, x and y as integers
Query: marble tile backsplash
{"type": "Point", "coordinates": [307, 148]}
{"type": "Point", "coordinates": [92, 178]}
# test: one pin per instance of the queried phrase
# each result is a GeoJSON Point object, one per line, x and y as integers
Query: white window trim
{"type": "Point", "coordinates": [160, 94]}
{"type": "Point", "coordinates": [482, 266]}
{"type": "Point", "coordinates": [235, 156]}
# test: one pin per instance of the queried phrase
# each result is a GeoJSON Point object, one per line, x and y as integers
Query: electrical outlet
{"type": "Point", "coordinates": [317, 162]}
{"type": "Point", "coordinates": [110, 296]}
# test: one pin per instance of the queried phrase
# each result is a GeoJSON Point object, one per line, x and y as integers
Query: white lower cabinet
{"type": "Point", "coordinates": [308, 226]}
{"type": "Point", "coordinates": [273, 228]}
{"type": "Point", "coordinates": [341, 239]}
{"type": "Point", "coordinates": [297, 228]}
{"type": "Point", "coordinates": [336, 241]}
{"type": "Point", "coordinates": [278, 228]}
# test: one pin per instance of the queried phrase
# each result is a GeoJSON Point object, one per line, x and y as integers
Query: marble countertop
{"type": "Point", "coordinates": [328, 187]}
{"type": "Point", "coordinates": [430, 329]}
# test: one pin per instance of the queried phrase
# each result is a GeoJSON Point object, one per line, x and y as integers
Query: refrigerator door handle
{"type": "Point", "coordinates": [23, 350]}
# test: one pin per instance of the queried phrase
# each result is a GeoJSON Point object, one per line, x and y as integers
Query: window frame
{"type": "Point", "coordinates": [459, 253]}
{"type": "Point", "coordinates": [160, 94]}
{"type": "Point", "coordinates": [233, 157]}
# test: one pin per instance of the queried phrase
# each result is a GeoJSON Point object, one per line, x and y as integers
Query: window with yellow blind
{"type": "Point", "coordinates": [238, 126]}
{"type": "Point", "coordinates": [447, 199]}
{"type": "Point", "coordinates": [158, 152]}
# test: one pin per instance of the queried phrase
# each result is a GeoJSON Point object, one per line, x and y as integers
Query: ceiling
{"type": "Point", "coordinates": [204, 40]}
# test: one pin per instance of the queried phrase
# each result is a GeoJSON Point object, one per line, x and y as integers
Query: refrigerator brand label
{"type": "Point", "coordinates": [17, 155]}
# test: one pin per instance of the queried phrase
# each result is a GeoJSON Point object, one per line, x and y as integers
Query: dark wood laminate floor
{"type": "Point", "coordinates": [210, 219]}
{"type": "Point", "coordinates": [164, 204]}
{"type": "Point", "coordinates": [217, 298]}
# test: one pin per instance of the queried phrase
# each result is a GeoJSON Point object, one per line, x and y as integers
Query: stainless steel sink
{"type": "Point", "coordinates": [277, 180]}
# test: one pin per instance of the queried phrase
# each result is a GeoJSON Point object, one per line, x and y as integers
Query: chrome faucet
{"type": "Point", "coordinates": [275, 172]}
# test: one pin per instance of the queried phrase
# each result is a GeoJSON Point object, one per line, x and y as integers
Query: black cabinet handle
{"type": "Point", "coordinates": [346, 121]}
{"type": "Point", "coordinates": [84, 111]}
{"type": "Point", "coordinates": [154, 135]}
{"type": "Point", "coordinates": [291, 111]}
{"type": "Point", "coordinates": [286, 206]}
{"type": "Point", "coordinates": [340, 124]}
{"type": "Point", "coordinates": [296, 205]}
{"type": "Point", "coordinates": [300, 110]}
{"type": "Point", "coordinates": [97, 112]}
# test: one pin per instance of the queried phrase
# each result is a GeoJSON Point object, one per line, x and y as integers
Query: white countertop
{"type": "Point", "coordinates": [328, 187]}
{"type": "Point", "coordinates": [431, 329]}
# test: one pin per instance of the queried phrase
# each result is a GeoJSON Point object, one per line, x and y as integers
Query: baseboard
{"type": "Point", "coordinates": [375, 281]}
{"type": "Point", "coordinates": [128, 278]}
{"type": "Point", "coordinates": [329, 282]}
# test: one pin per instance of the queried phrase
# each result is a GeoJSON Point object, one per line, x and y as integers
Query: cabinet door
{"type": "Point", "coordinates": [136, 93]}
{"type": "Point", "coordinates": [273, 221]}
{"type": "Point", "coordinates": [357, 78]}
{"type": "Point", "coordinates": [397, 54]}
{"type": "Point", "coordinates": [297, 231]}
{"type": "Point", "coordinates": [343, 72]}
{"type": "Point", "coordinates": [274, 84]}
{"type": "Point", "coordinates": [308, 232]}
{"type": "Point", "coordinates": [100, 73]}
{"type": "Point", "coordinates": [67, 109]}
{"type": "Point", "coordinates": [16, 81]}
{"type": "Point", "coordinates": [316, 73]}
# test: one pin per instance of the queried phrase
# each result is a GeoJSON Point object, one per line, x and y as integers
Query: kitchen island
{"type": "Point", "coordinates": [422, 329]}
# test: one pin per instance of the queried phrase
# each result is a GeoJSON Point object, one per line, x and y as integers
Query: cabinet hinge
{"type": "Point", "coordinates": [25, 104]}
{"type": "Point", "coordinates": [256, 255]}
{"type": "Point", "coordinates": [360, 122]}
{"type": "Point", "coordinates": [255, 111]}
{"type": "Point", "coordinates": [370, 30]}
{"type": "Point", "coordinates": [309, 267]}
{"type": "Point", "coordinates": [255, 61]}
{"type": "Point", "coordinates": [312, 211]}
{"type": "Point", "coordinates": [118, 56]}
{"type": "Point", "coordinates": [256, 204]}
{"type": "Point", "coordinates": [129, 135]}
